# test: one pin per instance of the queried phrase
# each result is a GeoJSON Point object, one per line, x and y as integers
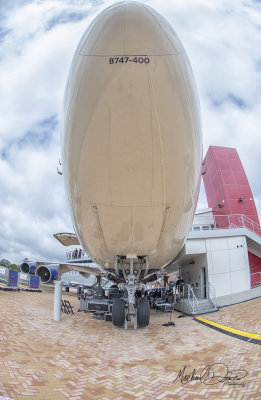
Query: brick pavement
{"type": "Point", "coordinates": [249, 320]}
{"type": "Point", "coordinates": [84, 359]}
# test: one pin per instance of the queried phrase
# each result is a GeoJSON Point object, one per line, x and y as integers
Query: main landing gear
{"type": "Point", "coordinates": [131, 305]}
{"type": "Point", "coordinates": [143, 312]}
{"type": "Point", "coordinates": [118, 312]}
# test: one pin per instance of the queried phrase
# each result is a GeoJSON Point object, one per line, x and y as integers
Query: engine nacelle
{"type": "Point", "coordinates": [28, 268]}
{"type": "Point", "coordinates": [48, 273]}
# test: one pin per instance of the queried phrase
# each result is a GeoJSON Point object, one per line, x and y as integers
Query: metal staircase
{"type": "Point", "coordinates": [189, 304]}
{"type": "Point", "coordinates": [203, 306]}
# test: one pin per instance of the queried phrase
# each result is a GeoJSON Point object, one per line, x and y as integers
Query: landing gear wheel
{"type": "Point", "coordinates": [118, 312]}
{"type": "Point", "coordinates": [143, 312]}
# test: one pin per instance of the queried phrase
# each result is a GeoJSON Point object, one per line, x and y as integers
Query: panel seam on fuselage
{"type": "Point", "coordinates": [152, 141]}
{"type": "Point", "coordinates": [131, 55]}
{"type": "Point", "coordinates": [162, 30]}
{"type": "Point", "coordinates": [110, 155]}
{"type": "Point", "coordinates": [160, 139]}
{"type": "Point", "coordinates": [126, 24]}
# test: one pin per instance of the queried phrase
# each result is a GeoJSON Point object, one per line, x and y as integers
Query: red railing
{"type": "Point", "coordinates": [255, 279]}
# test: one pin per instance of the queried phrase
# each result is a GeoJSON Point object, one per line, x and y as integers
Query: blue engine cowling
{"type": "Point", "coordinates": [28, 268]}
{"type": "Point", "coordinates": [48, 273]}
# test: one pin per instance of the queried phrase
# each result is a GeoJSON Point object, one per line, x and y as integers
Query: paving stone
{"type": "Point", "coordinates": [80, 358]}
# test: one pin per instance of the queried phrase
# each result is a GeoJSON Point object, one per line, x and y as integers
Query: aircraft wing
{"type": "Point", "coordinates": [67, 239]}
{"type": "Point", "coordinates": [84, 268]}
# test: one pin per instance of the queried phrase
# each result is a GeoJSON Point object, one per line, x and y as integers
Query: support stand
{"type": "Point", "coordinates": [126, 320]}
{"type": "Point", "coordinates": [57, 300]}
{"type": "Point", "coordinates": [135, 321]}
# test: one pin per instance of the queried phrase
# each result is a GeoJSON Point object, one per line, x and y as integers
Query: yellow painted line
{"type": "Point", "coordinates": [3, 284]}
{"type": "Point", "coordinates": [231, 330]}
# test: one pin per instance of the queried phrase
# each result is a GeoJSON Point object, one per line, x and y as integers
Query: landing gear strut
{"type": "Point", "coordinates": [129, 306]}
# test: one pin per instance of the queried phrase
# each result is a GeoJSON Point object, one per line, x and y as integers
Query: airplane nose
{"type": "Point", "coordinates": [130, 28]}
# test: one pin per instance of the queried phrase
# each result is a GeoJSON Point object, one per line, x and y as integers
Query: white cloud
{"type": "Point", "coordinates": [34, 67]}
{"type": "Point", "coordinates": [223, 42]}
{"type": "Point", "coordinates": [38, 40]}
{"type": "Point", "coordinates": [33, 71]}
{"type": "Point", "coordinates": [32, 205]}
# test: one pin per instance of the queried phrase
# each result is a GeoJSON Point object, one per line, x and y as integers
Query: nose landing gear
{"type": "Point", "coordinates": [124, 308]}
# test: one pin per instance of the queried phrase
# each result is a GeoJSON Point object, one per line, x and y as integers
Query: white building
{"type": "Point", "coordinates": [214, 262]}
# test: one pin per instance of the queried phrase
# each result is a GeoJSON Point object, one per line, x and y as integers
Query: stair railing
{"type": "Point", "coordinates": [212, 293]}
{"type": "Point", "coordinates": [193, 301]}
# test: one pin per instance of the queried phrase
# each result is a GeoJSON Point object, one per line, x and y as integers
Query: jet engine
{"type": "Point", "coordinates": [28, 268]}
{"type": "Point", "coordinates": [48, 273]}
{"type": "Point", "coordinates": [51, 272]}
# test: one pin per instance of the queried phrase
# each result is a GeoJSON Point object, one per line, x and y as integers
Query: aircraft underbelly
{"type": "Point", "coordinates": [132, 150]}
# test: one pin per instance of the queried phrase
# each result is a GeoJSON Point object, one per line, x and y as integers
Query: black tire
{"type": "Point", "coordinates": [143, 312]}
{"type": "Point", "coordinates": [118, 312]}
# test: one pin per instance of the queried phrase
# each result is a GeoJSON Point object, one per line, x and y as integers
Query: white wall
{"type": "Point", "coordinates": [195, 246]}
{"type": "Point", "coordinates": [204, 218]}
{"type": "Point", "coordinates": [226, 262]}
{"type": "Point", "coordinates": [228, 266]}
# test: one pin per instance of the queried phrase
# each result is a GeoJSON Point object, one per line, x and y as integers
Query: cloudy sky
{"type": "Point", "coordinates": [37, 42]}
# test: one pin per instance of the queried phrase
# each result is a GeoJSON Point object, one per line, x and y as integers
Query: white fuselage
{"type": "Point", "coordinates": [132, 137]}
